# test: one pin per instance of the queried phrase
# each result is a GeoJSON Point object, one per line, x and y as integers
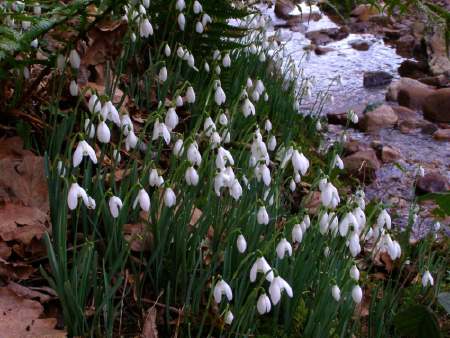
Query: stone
{"type": "Point", "coordinates": [417, 89]}
{"type": "Point", "coordinates": [405, 44]}
{"type": "Point", "coordinates": [405, 114]}
{"type": "Point", "coordinates": [364, 12]}
{"type": "Point", "coordinates": [436, 107]}
{"type": "Point", "coordinates": [320, 50]}
{"type": "Point", "coordinates": [362, 165]}
{"type": "Point", "coordinates": [436, 81]}
{"type": "Point", "coordinates": [413, 69]}
{"type": "Point", "coordinates": [376, 79]}
{"type": "Point", "coordinates": [390, 154]}
{"type": "Point", "coordinates": [361, 45]}
{"type": "Point", "coordinates": [392, 33]}
{"type": "Point", "coordinates": [382, 117]}
{"type": "Point", "coordinates": [442, 135]}
{"type": "Point", "coordinates": [432, 182]}
{"type": "Point", "coordinates": [283, 8]}
{"type": "Point", "coordinates": [353, 146]}
{"type": "Point", "coordinates": [324, 36]}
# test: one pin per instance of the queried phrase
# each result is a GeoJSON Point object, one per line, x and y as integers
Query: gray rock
{"type": "Point", "coordinates": [376, 79]}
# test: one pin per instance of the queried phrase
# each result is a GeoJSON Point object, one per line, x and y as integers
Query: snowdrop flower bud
{"type": "Point", "coordinates": [169, 198]}
{"type": "Point", "coordinates": [199, 27]}
{"type": "Point", "coordinates": [142, 10]}
{"type": "Point", "coordinates": [262, 57]}
{"type": "Point", "coordinates": [427, 279]}
{"type": "Point", "coordinates": [94, 104]}
{"type": "Point", "coordinates": [191, 176]}
{"type": "Point", "coordinates": [277, 286]}
{"type": "Point", "coordinates": [74, 59]}
{"type": "Point", "coordinates": [226, 62]}
{"type": "Point", "coordinates": [324, 223]}
{"type": "Point", "coordinates": [190, 95]}
{"type": "Point", "coordinates": [180, 52]}
{"type": "Point", "coordinates": [261, 266]}
{"type": "Point", "coordinates": [83, 149]}
{"type": "Point", "coordinates": [162, 74]}
{"type": "Point", "coordinates": [216, 55]}
{"type": "Point", "coordinates": [437, 226]}
{"type": "Point", "coordinates": [357, 294]}
{"type": "Point", "coordinates": [297, 234]}
{"type": "Point", "coordinates": [206, 19]}
{"type": "Point", "coordinates": [75, 192]}
{"type": "Point", "coordinates": [292, 185]}
{"type": "Point", "coordinates": [145, 28]}
{"type": "Point", "coordinates": [266, 97]}
{"type": "Point", "coordinates": [171, 119]}
{"type": "Point", "coordinates": [384, 219]}
{"type": "Point", "coordinates": [272, 144]}
{"type": "Point", "coordinates": [131, 140]}
{"type": "Point", "coordinates": [283, 247]}
{"type": "Point", "coordinates": [73, 88]}
{"type": "Point", "coordinates": [179, 101]}
{"type": "Point", "coordinates": [268, 125]}
{"type": "Point", "coordinates": [318, 125]}
{"type": "Point", "coordinates": [262, 216]}
{"type": "Point", "coordinates": [255, 96]}
{"type": "Point", "coordinates": [154, 179]}
{"type": "Point", "coordinates": [115, 204]}
{"type": "Point", "coordinates": [218, 70]}
{"type": "Point", "coordinates": [229, 317]}
{"type": "Point", "coordinates": [103, 132]}
{"type": "Point", "coordinates": [241, 244]}
{"type": "Point", "coordinates": [89, 128]}
{"type": "Point", "coordinates": [353, 117]}
{"type": "Point", "coordinates": [223, 119]}
{"type": "Point", "coordinates": [143, 199]}
{"type": "Point", "coordinates": [354, 272]}
{"type": "Point", "coordinates": [219, 96]}
{"type": "Point", "coordinates": [222, 288]}
{"type": "Point", "coordinates": [126, 124]}
{"type": "Point", "coordinates": [206, 67]}
{"type": "Point", "coordinates": [34, 43]}
{"type": "Point", "coordinates": [337, 162]}
{"type": "Point", "coordinates": [197, 7]}
{"type": "Point", "coordinates": [263, 304]}
{"type": "Point", "coordinates": [180, 5]}
{"type": "Point", "coordinates": [178, 149]}
{"type": "Point", "coordinates": [336, 293]}
{"type": "Point", "coordinates": [167, 50]}
{"type": "Point", "coordinates": [248, 108]}
{"type": "Point", "coordinates": [181, 21]}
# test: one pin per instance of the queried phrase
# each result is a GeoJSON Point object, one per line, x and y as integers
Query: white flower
{"type": "Point", "coordinates": [206, 19]}
{"type": "Point", "coordinates": [181, 21]}
{"type": "Point", "coordinates": [354, 272]}
{"type": "Point", "coordinates": [255, 96]}
{"type": "Point", "coordinates": [190, 95]}
{"type": "Point", "coordinates": [131, 140]}
{"type": "Point", "coordinates": [206, 67]}
{"type": "Point", "coordinates": [146, 3]}
{"type": "Point", "coordinates": [115, 204]}
{"type": "Point", "coordinates": [318, 125]}
{"type": "Point", "coordinates": [384, 219]}
{"type": "Point", "coordinates": [268, 125]}
{"type": "Point", "coordinates": [75, 192]}
{"type": "Point", "coordinates": [283, 247]}
{"type": "Point", "coordinates": [266, 97]}
{"type": "Point", "coordinates": [83, 149]}
{"type": "Point", "coordinates": [263, 304]}
{"type": "Point", "coordinates": [74, 59]}
{"type": "Point", "coordinates": [191, 176]}
{"type": "Point", "coordinates": [261, 266]}
{"type": "Point", "coordinates": [126, 124]}
{"type": "Point", "coordinates": [218, 70]}
{"type": "Point", "coordinates": [241, 244]}
{"type": "Point", "coordinates": [162, 76]}
{"type": "Point", "coordinates": [197, 7]}
{"type": "Point", "coordinates": [353, 117]}
{"type": "Point", "coordinates": [427, 279]}
{"type": "Point", "coordinates": [248, 108]}
{"type": "Point", "coordinates": [167, 50]}
{"type": "Point", "coordinates": [329, 194]}
{"type": "Point", "coordinates": [169, 198]}
{"type": "Point", "coordinates": [297, 234]}
{"type": "Point", "coordinates": [277, 286]}
{"type": "Point", "coordinates": [193, 155]}
{"type": "Point", "coordinates": [223, 119]}
{"type": "Point", "coordinates": [223, 158]}
{"type": "Point", "coordinates": [394, 250]}
{"type": "Point", "coordinates": [355, 247]}
{"type": "Point", "coordinates": [348, 220]}
{"type": "Point", "coordinates": [171, 119]}
{"type": "Point", "coordinates": [262, 216]}
{"type": "Point", "coordinates": [262, 171]}
{"type": "Point", "coordinates": [236, 190]}
{"type": "Point", "coordinates": [229, 317]}
{"type": "Point", "coordinates": [179, 101]}
{"type": "Point", "coordinates": [219, 96]}
{"type": "Point", "coordinates": [180, 52]}
{"type": "Point", "coordinates": [299, 162]}
{"type": "Point", "coordinates": [337, 162]}
{"type": "Point", "coordinates": [94, 104]}
{"type": "Point", "coordinates": [357, 294]}
{"type": "Point", "coordinates": [145, 28]}
{"type": "Point", "coordinates": [253, 49]}
{"type": "Point", "coordinates": [222, 288]}
{"type": "Point", "coordinates": [103, 132]}
{"type": "Point", "coordinates": [178, 148]}
{"type": "Point", "coordinates": [161, 130]}
{"type": "Point", "coordinates": [421, 171]}
{"type": "Point", "coordinates": [336, 293]}
{"type": "Point", "coordinates": [73, 88]}
{"type": "Point", "coordinates": [292, 185]}
{"type": "Point", "coordinates": [272, 144]}
{"type": "Point", "coordinates": [199, 27]}
{"type": "Point", "coordinates": [109, 112]}
{"type": "Point", "coordinates": [143, 199]}
{"type": "Point", "coordinates": [324, 223]}
{"type": "Point", "coordinates": [89, 128]}
{"type": "Point", "coordinates": [180, 5]}
{"type": "Point", "coordinates": [226, 60]}
{"type": "Point", "coordinates": [154, 179]}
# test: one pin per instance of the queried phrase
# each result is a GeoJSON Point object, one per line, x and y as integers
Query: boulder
{"type": "Point", "coordinates": [320, 50]}
{"type": "Point", "coordinates": [436, 107]}
{"type": "Point", "coordinates": [413, 69]}
{"type": "Point", "coordinates": [324, 36]}
{"type": "Point", "coordinates": [361, 45]}
{"type": "Point", "coordinates": [364, 12]}
{"type": "Point", "coordinates": [442, 135]}
{"type": "Point", "coordinates": [362, 165]}
{"type": "Point", "coordinates": [405, 114]}
{"type": "Point", "coordinates": [381, 117]}
{"type": "Point", "coordinates": [376, 79]}
{"type": "Point", "coordinates": [409, 92]}
{"type": "Point", "coordinates": [436, 81]}
{"type": "Point", "coordinates": [390, 154]}
{"type": "Point", "coordinates": [283, 8]}
{"type": "Point", "coordinates": [432, 182]}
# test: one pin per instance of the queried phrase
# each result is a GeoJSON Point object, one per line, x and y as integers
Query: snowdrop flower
{"type": "Point", "coordinates": [83, 149]}
{"type": "Point", "coordinates": [115, 204]}
{"type": "Point", "coordinates": [329, 195]}
{"type": "Point", "coordinates": [261, 266]}
{"type": "Point", "coordinates": [262, 57]}
{"type": "Point", "coordinates": [34, 43]}
{"type": "Point", "coordinates": [89, 128]}
{"type": "Point", "coordinates": [223, 119]}
{"type": "Point", "coordinates": [354, 272]}
{"type": "Point", "coordinates": [75, 192]}
{"type": "Point", "coordinates": [277, 286]}
{"type": "Point", "coordinates": [348, 220]}
{"type": "Point", "coordinates": [229, 317]}
{"type": "Point", "coordinates": [142, 10]}
{"type": "Point", "coordinates": [218, 70]}
{"type": "Point", "coordinates": [360, 218]}
{"type": "Point", "coordinates": [253, 49]}
{"type": "Point", "coordinates": [272, 144]}
{"type": "Point", "coordinates": [126, 124]}
{"type": "Point", "coordinates": [223, 158]}
{"type": "Point", "coordinates": [357, 294]}
{"type": "Point", "coordinates": [131, 140]}
{"type": "Point", "coordinates": [297, 234]}
{"type": "Point", "coordinates": [178, 148]}
{"type": "Point", "coordinates": [292, 185]}
{"type": "Point", "coordinates": [352, 116]}
{"type": "Point", "coordinates": [318, 125]}
{"type": "Point", "coordinates": [146, 3]}
{"type": "Point", "coordinates": [262, 171]}
{"type": "Point", "coordinates": [219, 96]}
{"type": "Point", "coordinates": [154, 179]}
{"type": "Point", "coordinates": [241, 243]}
{"type": "Point", "coordinates": [194, 155]}
{"type": "Point", "coordinates": [283, 247]}
{"type": "Point", "coordinates": [222, 289]}
{"type": "Point", "coordinates": [248, 108]}
{"type": "Point", "coordinates": [162, 76]}
{"type": "Point", "coordinates": [161, 130]}
{"type": "Point", "coordinates": [206, 67]}
{"type": "Point", "coordinates": [262, 216]}
{"type": "Point", "coordinates": [103, 132]}
{"type": "Point", "coordinates": [437, 226]}
{"type": "Point", "coordinates": [179, 101]}
{"type": "Point", "coordinates": [73, 88]}
{"type": "Point", "coordinates": [181, 53]}
{"type": "Point", "coordinates": [180, 5]}
{"type": "Point", "coordinates": [94, 104]}
{"type": "Point", "coordinates": [299, 162]}
{"type": "Point", "coordinates": [169, 198]}
{"type": "Point", "coordinates": [181, 21]}
{"type": "Point", "coordinates": [324, 223]}
{"type": "Point", "coordinates": [226, 62]}
{"type": "Point", "coordinates": [394, 250]}
{"type": "Point", "coordinates": [167, 50]}
{"type": "Point", "coordinates": [355, 247]}
{"type": "Point", "coordinates": [236, 190]}
{"type": "Point", "coordinates": [143, 199]}
{"type": "Point", "coordinates": [133, 37]}
{"type": "Point", "coordinates": [336, 293]}
{"type": "Point", "coordinates": [190, 95]}
{"type": "Point", "coordinates": [109, 112]}
{"type": "Point", "coordinates": [263, 304]}
{"type": "Point", "coordinates": [145, 28]}
{"type": "Point", "coordinates": [384, 219]}
{"type": "Point", "coordinates": [266, 97]}
{"type": "Point", "coordinates": [171, 119]}
{"type": "Point", "coordinates": [427, 279]}
{"type": "Point", "coordinates": [74, 59]}
{"type": "Point", "coordinates": [197, 7]}
{"type": "Point", "coordinates": [337, 162]}
{"type": "Point", "coordinates": [37, 9]}
{"type": "Point", "coordinates": [268, 125]}
{"type": "Point", "coordinates": [255, 96]}
{"type": "Point", "coordinates": [226, 136]}
{"type": "Point", "coordinates": [421, 171]}
{"type": "Point", "coordinates": [206, 19]}
{"type": "Point", "coordinates": [216, 54]}
{"type": "Point", "coordinates": [199, 27]}
{"type": "Point", "coordinates": [191, 176]}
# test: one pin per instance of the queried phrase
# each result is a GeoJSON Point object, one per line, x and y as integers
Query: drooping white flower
{"type": "Point", "coordinates": [277, 286]}
{"type": "Point", "coordinates": [131, 140]}
{"type": "Point", "coordinates": [162, 75]}
{"type": "Point", "coordinates": [178, 148]}
{"type": "Point", "coordinates": [300, 162]}
{"type": "Point", "coordinates": [218, 70]}
{"type": "Point", "coordinates": [338, 163]}
{"type": "Point", "coordinates": [193, 154]}
{"type": "Point", "coordinates": [169, 198]}
{"type": "Point", "coordinates": [262, 171]}
{"type": "Point", "coordinates": [292, 185]}
{"type": "Point", "coordinates": [241, 243]}
{"type": "Point", "coordinates": [427, 279]}
{"type": "Point", "coordinates": [223, 158]}
{"type": "Point", "coordinates": [272, 144]}
{"type": "Point", "coordinates": [219, 96]}
{"type": "Point", "coordinates": [222, 289]}
{"type": "Point", "coordinates": [89, 128]}
{"type": "Point", "coordinates": [229, 317]}
{"type": "Point", "coordinates": [143, 199]}
{"type": "Point", "coordinates": [197, 7]}
{"type": "Point", "coordinates": [336, 293]}
{"type": "Point", "coordinates": [262, 216]}
{"type": "Point", "coordinates": [190, 95]}
{"type": "Point", "coordinates": [226, 61]}
{"type": "Point", "coordinates": [161, 130]}
{"type": "Point", "coordinates": [103, 132]}
{"type": "Point", "coordinates": [248, 108]}
{"type": "Point", "coordinates": [268, 125]}
{"type": "Point", "coordinates": [297, 234]}
{"type": "Point", "coordinates": [181, 21]}
{"type": "Point", "coordinates": [347, 221]}
{"type": "Point", "coordinates": [324, 223]}
{"type": "Point", "coordinates": [75, 192]}
{"type": "Point", "coordinates": [146, 3]}
{"type": "Point", "coordinates": [236, 190]}
{"type": "Point", "coordinates": [263, 304]}
{"type": "Point", "coordinates": [283, 246]}
{"type": "Point", "coordinates": [357, 294]}
{"type": "Point", "coordinates": [191, 176]}
{"type": "Point", "coordinates": [171, 119]}
{"type": "Point", "coordinates": [94, 104]}
{"type": "Point", "coordinates": [73, 88]}
{"type": "Point", "coordinates": [145, 28]}
{"type": "Point", "coordinates": [223, 119]}
{"type": "Point", "coordinates": [329, 195]}
{"type": "Point", "coordinates": [154, 179]}
{"type": "Point", "coordinates": [384, 219]}
{"type": "Point", "coordinates": [206, 19]}
{"type": "Point", "coordinates": [261, 266]}
{"type": "Point", "coordinates": [115, 204]}
{"type": "Point", "coordinates": [167, 50]}
{"type": "Point", "coordinates": [355, 247]}
{"type": "Point", "coordinates": [180, 5]}
{"type": "Point", "coordinates": [83, 149]}
{"type": "Point", "coordinates": [126, 124]}
{"type": "Point", "coordinates": [421, 171]}
{"type": "Point", "coordinates": [199, 27]}
{"type": "Point", "coordinates": [354, 272]}
{"type": "Point", "coordinates": [353, 117]}
{"type": "Point", "coordinates": [206, 67]}
{"type": "Point", "coordinates": [74, 59]}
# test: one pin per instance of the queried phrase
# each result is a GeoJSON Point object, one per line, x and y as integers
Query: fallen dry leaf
{"type": "Point", "coordinates": [150, 329]}
{"type": "Point", "coordinates": [13, 147]}
{"type": "Point", "coordinates": [19, 317]}
{"type": "Point", "coordinates": [5, 250]}
{"type": "Point", "coordinates": [15, 271]}
{"type": "Point", "coordinates": [24, 292]}
{"type": "Point", "coordinates": [139, 236]}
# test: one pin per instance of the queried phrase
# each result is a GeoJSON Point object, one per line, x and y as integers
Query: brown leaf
{"type": "Point", "coordinates": [19, 317]}
{"type": "Point", "coordinates": [5, 250]}
{"type": "Point", "coordinates": [28, 293]}
{"type": "Point", "coordinates": [13, 147]}
{"type": "Point", "coordinates": [15, 271]}
{"type": "Point", "coordinates": [139, 236]}
{"type": "Point", "coordinates": [150, 329]}
{"type": "Point", "coordinates": [196, 215]}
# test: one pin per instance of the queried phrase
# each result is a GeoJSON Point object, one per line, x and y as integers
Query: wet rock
{"type": "Point", "coordinates": [405, 113]}
{"type": "Point", "coordinates": [392, 33]}
{"type": "Point", "coordinates": [436, 107]}
{"type": "Point", "coordinates": [353, 146]}
{"type": "Point", "coordinates": [428, 128]}
{"type": "Point", "coordinates": [432, 182]}
{"type": "Point", "coordinates": [413, 69]}
{"type": "Point", "coordinates": [283, 8]}
{"type": "Point", "coordinates": [376, 79]}
{"type": "Point", "coordinates": [442, 135]}
{"type": "Point", "coordinates": [405, 44]}
{"type": "Point", "coordinates": [361, 45]}
{"type": "Point", "coordinates": [363, 165]}
{"type": "Point", "coordinates": [439, 54]}
{"type": "Point", "coordinates": [406, 83]}
{"type": "Point", "coordinates": [324, 36]}
{"type": "Point", "coordinates": [364, 12]}
{"type": "Point", "coordinates": [390, 154]}
{"type": "Point", "coordinates": [437, 81]}
{"type": "Point", "coordinates": [319, 50]}
{"type": "Point", "coordinates": [381, 117]}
